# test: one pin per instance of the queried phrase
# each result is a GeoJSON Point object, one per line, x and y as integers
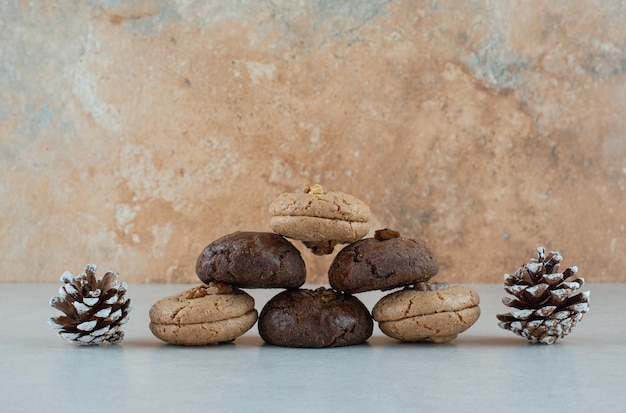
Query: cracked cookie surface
{"type": "Point", "coordinates": [203, 315]}
{"type": "Point", "coordinates": [438, 316]}
{"type": "Point", "coordinates": [316, 215]}
{"type": "Point", "coordinates": [315, 318]}
{"type": "Point", "coordinates": [381, 264]}
{"type": "Point", "coordinates": [252, 260]}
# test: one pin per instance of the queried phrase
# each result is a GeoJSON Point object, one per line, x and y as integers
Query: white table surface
{"type": "Point", "coordinates": [484, 369]}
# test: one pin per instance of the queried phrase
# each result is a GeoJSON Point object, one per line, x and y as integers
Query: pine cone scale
{"type": "Point", "coordinates": [112, 300]}
{"type": "Point", "coordinates": [103, 330]}
{"type": "Point", "coordinates": [114, 316]}
{"type": "Point", "coordinates": [104, 313]}
{"type": "Point", "coordinates": [61, 305]}
{"type": "Point", "coordinates": [80, 307]}
{"type": "Point", "coordinates": [107, 280]}
{"type": "Point", "coordinates": [537, 293]}
{"type": "Point", "coordinates": [546, 311]}
{"type": "Point", "coordinates": [552, 279]}
{"type": "Point", "coordinates": [579, 308]}
{"type": "Point", "coordinates": [87, 325]}
{"type": "Point", "coordinates": [69, 336]}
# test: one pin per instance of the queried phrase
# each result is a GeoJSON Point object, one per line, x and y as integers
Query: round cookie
{"type": "Point", "coordinates": [202, 315]}
{"type": "Point", "coordinates": [381, 263]}
{"type": "Point", "coordinates": [315, 318]}
{"type": "Point", "coordinates": [316, 217]}
{"type": "Point", "coordinates": [252, 260]}
{"type": "Point", "coordinates": [432, 312]}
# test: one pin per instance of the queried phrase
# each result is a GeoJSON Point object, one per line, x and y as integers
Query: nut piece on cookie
{"type": "Point", "coordinates": [381, 263]}
{"type": "Point", "coordinates": [427, 312]}
{"type": "Point", "coordinates": [320, 218]}
{"type": "Point", "coordinates": [252, 260]}
{"type": "Point", "coordinates": [315, 318]}
{"type": "Point", "coordinates": [205, 314]}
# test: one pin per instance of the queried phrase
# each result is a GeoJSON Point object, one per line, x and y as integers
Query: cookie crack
{"type": "Point", "coordinates": [340, 336]}
{"type": "Point", "coordinates": [174, 315]}
{"type": "Point", "coordinates": [407, 311]}
{"type": "Point", "coordinates": [459, 316]}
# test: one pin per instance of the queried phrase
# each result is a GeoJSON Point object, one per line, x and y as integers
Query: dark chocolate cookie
{"type": "Point", "coordinates": [381, 263]}
{"type": "Point", "coordinates": [315, 318]}
{"type": "Point", "coordinates": [252, 260]}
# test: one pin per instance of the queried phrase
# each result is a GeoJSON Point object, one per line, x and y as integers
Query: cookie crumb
{"type": "Point", "coordinates": [430, 286]}
{"type": "Point", "coordinates": [385, 234]}
{"type": "Point", "coordinates": [320, 247]}
{"type": "Point", "coordinates": [196, 292]}
{"type": "Point", "coordinates": [314, 189]}
{"type": "Point", "coordinates": [213, 287]}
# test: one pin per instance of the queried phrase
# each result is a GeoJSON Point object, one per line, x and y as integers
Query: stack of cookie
{"type": "Point", "coordinates": [219, 311]}
{"type": "Point", "coordinates": [323, 317]}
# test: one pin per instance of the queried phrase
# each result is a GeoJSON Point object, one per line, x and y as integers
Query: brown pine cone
{"type": "Point", "coordinates": [548, 303]}
{"type": "Point", "coordinates": [94, 309]}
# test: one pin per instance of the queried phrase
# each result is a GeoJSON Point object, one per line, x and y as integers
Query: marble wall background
{"type": "Point", "coordinates": [133, 133]}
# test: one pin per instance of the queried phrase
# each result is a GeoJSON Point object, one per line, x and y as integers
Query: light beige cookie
{"type": "Point", "coordinates": [438, 313]}
{"type": "Point", "coordinates": [204, 314]}
{"type": "Point", "coordinates": [316, 215]}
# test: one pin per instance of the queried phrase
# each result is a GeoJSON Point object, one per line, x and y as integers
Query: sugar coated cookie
{"type": "Point", "coordinates": [320, 218]}
{"type": "Point", "coordinates": [314, 318]}
{"type": "Point", "coordinates": [381, 263]}
{"type": "Point", "coordinates": [204, 314]}
{"type": "Point", "coordinates": [437, 314]}
{"type": "Point", "coordinates": [252, 260]}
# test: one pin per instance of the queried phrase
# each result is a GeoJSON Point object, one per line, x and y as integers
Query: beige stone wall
{"type": "Point", "coordinates": [132, 134]}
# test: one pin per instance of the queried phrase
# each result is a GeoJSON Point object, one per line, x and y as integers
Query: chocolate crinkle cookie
{"type": "Point", "coordinates": [381, 263]}
{"type": "Point", "coordinates": [252, 260]}
{"type": "Point", "coordinates": [315, 318]}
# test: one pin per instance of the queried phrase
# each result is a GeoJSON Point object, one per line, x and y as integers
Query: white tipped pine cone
{"type": "Point", "coordinates": [94, 310]}
{"type": "Point", "coordinates": [548, 302]}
